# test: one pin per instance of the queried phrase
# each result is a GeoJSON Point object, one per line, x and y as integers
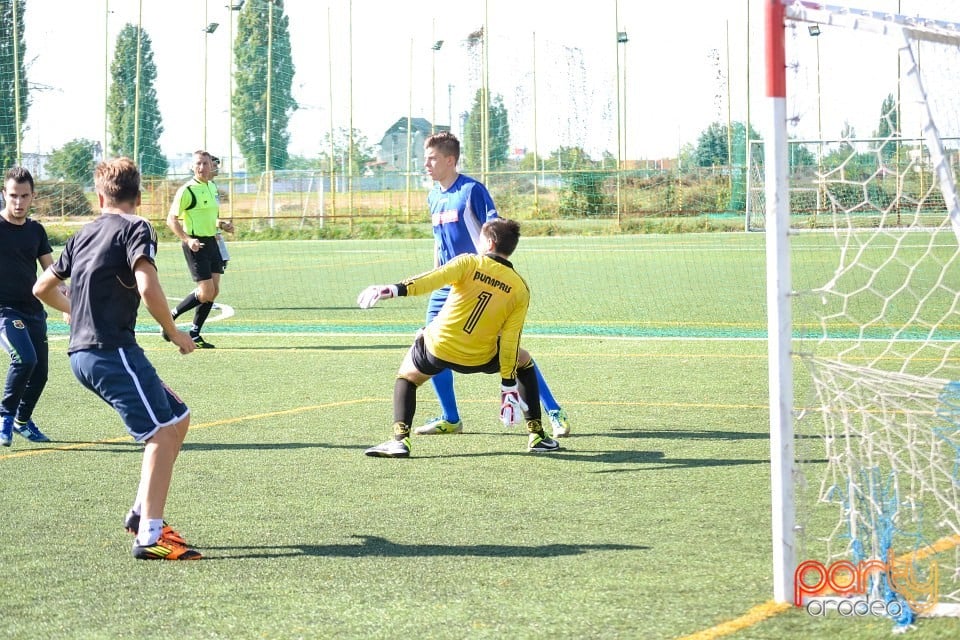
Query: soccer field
{"type": "Point", "coordinates": [652, 522]}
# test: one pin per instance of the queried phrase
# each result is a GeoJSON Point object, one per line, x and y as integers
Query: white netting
{"type": "Point", "coordinates": [878, 328]}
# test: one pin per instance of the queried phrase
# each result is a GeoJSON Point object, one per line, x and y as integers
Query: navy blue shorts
{"type": "Point", "coordinates": [126, 380]}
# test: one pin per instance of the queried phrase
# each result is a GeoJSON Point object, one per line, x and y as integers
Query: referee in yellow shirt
{"type": "Point", "coordinates": [477, 331]}
{"type": "Point", "coordinates": [194, 218]}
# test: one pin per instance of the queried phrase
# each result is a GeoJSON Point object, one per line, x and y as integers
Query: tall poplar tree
{"type": "Point", "coordinates": [889, 128]}
{"type": "Point", "coordinates": [498, 144]}
{"type": "Point", "coordinates": [122, 104]}
{"type": "Point", "coordinates": [13, 80]}
{"type": "Point", "coordinates": [264, 75]}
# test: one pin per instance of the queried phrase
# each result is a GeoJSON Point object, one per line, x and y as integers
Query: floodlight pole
{"type": "Point", "coordinates": [106, 74]}
{"type": "Point", "coordinates": [136, 92]}
{"type": "Point", "coordinates": [231, 8]}
{"type": "Point", "coordinates": [16, 84]}
{"type": "Point", "coordinates": [621, 39]}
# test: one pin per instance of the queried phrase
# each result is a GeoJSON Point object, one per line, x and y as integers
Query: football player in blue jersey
{"type": "Point", "coordinates": [459, 206]}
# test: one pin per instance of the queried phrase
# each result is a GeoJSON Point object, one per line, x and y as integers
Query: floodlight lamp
{"type": "Point", "coordinates": [211, 27]}
{"type": "Point", "coordinates": [622, 37]}
{"type": "Point", "coordinates": [814, 30]}
{"type": "Point", "coordinates": [436, 45]}
{"type": "Point", "coordinates": [237, 6]}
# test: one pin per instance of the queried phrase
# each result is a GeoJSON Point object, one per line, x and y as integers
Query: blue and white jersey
{"type": "Point", "coordinates": [457, 215]}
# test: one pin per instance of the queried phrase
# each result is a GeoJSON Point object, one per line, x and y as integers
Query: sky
{"type": "Point", "coordinates": [557, 64]}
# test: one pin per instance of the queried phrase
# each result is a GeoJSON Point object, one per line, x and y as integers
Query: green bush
{"type": "Point", "coordinates": [61, 199]}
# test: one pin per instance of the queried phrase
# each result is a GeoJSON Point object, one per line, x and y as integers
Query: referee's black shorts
{"type": "Point", "coordinates": [205, 262]}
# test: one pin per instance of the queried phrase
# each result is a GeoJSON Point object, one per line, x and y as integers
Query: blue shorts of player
{"type": "Point", "coordinates": [430, 365]}
{"type": "Point", "coordinates": [205, 262]}
{"type": "Point", "coordinates": [24, 336]}
{"type": "Point", "coordinates": [125, 379]}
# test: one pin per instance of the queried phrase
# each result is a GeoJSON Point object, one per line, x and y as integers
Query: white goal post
{"type": "Point", "coordinates": [876, 485]}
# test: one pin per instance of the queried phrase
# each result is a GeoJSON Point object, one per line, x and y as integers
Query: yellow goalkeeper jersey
{"type": "Point", "coordinates": [488, 300]}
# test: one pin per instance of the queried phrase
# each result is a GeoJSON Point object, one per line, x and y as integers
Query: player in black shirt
{"type": "Point", "coordinates": [110, 264]}
{"type": "Point", "coordinates": [23, 321]}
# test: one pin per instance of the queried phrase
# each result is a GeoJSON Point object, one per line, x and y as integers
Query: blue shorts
{"type": "Point", "coordinates": [125, 379]}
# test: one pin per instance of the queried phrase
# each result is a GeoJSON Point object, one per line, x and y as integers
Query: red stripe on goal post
{"type": "Point", "coordinates": [776, 57]}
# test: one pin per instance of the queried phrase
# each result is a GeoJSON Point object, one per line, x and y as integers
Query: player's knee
{"type": "Point", "coordinates": [24, 363]}
{"type": "Point", "coordinates": [416, 379]}
{"type": "Point", "coordinates": [524, 359]}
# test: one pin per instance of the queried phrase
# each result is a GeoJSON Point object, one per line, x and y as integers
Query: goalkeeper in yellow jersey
{"type": "Point", "coordinates": [477, 331]}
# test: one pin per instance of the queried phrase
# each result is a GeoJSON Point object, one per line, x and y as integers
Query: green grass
{"type": "Point", "coordinates": [652, 522]}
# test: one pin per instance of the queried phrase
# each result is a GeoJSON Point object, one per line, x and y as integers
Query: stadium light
{"type": "Point", "coordinates": [211, 27]}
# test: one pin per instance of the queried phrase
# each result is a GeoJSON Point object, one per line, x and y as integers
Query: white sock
{"type": "Point", "coordinates": [149, 531]}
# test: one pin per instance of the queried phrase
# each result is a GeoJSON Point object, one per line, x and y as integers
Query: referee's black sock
{"type": "Point", "coordinates": [186, 304]}
{"type": "Point", "coordinates": [200, 316]}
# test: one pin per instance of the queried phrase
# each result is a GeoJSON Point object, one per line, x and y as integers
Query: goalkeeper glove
{"type": "Point", "coordinates": [369, 296]}
{"type": "Point", "coordinates": [512, 405]}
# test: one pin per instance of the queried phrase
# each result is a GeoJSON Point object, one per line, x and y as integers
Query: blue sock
{"type": "Point", "coordinates": [443, 386]}
{"type": "Point", "coordinates": [546, 397]}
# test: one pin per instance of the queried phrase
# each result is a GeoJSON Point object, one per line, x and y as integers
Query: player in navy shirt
{"type": "Point", "coordinates": [23, 322]}
{"type": "Point", "coordinates": [459, 205]}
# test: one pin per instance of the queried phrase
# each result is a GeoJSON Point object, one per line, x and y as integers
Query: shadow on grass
{"type": "Point", "coordinates": [681, 434]}
{"type": "Point", "coordinates": [326, 347]}
{"type": "Point", "coordinates": [339, 308]}
{"type": "Point", "coordinates": [656, 458]}
{"type": "Point", "coordinates": [317, 347]}
{"type": "Point", "coordinates": [377, 547]}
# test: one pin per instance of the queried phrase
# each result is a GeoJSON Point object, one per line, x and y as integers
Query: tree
{"type": "Point", "coordinates": [13, 95]}
{"type": "Point", "coordinates": [498, 143]}
{"type": "Point", "coordinates": [565, 158]}
{"type": "Point", "coordinates": [135, 128]}
{"type": "Point", "coordinates": [362, 154]}
{"type": "Point", "coordinates": [889, 128]}
{"type": "Point", "coordinates": [74, 162]}
{"type": "Point", "coordinates": [263, 38]}
{"type": "Point", "coordinates": [715, 148]}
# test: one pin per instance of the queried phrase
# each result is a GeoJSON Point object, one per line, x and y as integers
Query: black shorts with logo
{"type": "Point", "coordinates": [430, 365]}
{"type": "Point", "coordinates": [205, 262]}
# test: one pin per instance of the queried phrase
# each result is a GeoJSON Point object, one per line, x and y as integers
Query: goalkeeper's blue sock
{"type": "Point", "coordinates": [443, 386]}
{"type": "Point", "coordinates": [546, 397]}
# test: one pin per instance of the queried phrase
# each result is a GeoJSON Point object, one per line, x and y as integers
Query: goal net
{"type": "Point", "coordinates": [866, 459]}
